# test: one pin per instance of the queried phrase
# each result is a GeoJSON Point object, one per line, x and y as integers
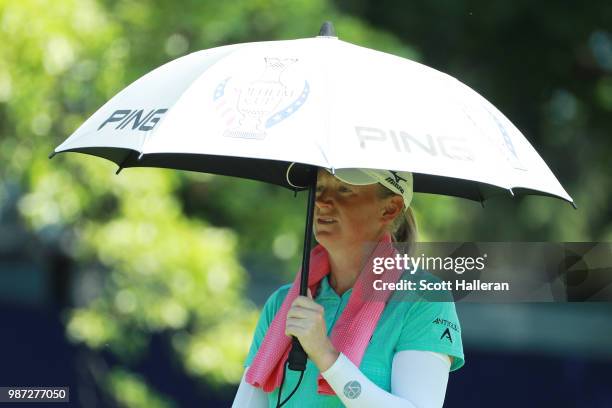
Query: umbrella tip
{"type": "Point", "coordinates": [574, 205]}
{"type": "Point", "coordinates": [53, 153]}
{"type": "Point", "coordinates": [327, 30]}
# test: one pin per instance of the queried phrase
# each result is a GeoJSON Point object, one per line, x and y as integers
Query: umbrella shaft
{"type": "Point", "coordinates": [297, 356]}
{"type": "Point", "coordinates": [308, 235]}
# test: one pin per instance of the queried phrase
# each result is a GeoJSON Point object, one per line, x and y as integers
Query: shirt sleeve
{"type": "Point", "coordinates": [268, 312]}
{"type": "Point", "coordinates": [433, 326]}
{"type": "Point", "coordinates": [248, 396]}
{"type": "Point", "coordinates": [419, 380]}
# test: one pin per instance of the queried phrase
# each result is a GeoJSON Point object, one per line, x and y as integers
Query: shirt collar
{"type": "Point", "coordinates": [326, 292]}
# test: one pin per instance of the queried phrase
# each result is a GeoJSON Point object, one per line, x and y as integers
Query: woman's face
{"type": "Point", "coordinates": [347, 215]}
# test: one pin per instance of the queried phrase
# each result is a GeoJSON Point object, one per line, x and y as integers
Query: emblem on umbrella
{"type": "Point", "coordinates": [249, 109]}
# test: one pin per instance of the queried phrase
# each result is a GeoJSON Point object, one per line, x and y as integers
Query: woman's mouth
{"type": "Point", "coordinates": [325, 220]}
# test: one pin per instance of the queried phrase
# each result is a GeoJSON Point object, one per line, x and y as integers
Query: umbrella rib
{"type": "Point", "coordinates": [481, 196]}
{"type": "Point", "coordinates": [124, 161]}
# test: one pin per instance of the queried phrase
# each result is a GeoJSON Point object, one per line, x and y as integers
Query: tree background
{"type": "Point", "coordinates": [143, 289]}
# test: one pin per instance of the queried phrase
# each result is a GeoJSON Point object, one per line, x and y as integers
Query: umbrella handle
{"type": "Point", "coordinates": [297, 355]}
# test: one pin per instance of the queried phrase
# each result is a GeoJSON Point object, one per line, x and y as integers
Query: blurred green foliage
{"type": "Point", "coordinates": [162, 251]}
{"type": "Point", "coordinates": [131, 391]}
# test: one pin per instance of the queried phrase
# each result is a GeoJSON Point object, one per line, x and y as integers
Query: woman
{"type": "Point", "coordinates": [360, 353]}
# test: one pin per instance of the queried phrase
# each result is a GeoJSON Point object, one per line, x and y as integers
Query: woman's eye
{"type": "Point", "coordinates": [344, 189]}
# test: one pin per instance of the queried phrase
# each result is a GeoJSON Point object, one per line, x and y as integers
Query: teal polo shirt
{"type": "Point", "coordinates": [403, 325]}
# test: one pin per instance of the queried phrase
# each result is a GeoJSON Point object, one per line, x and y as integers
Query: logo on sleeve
{"type": "Point", "coordinates": [446, 323]}
{"type": "Point", "coordinates": [446, 335]}
{"type": "Point", "coordinates": [352, 389]}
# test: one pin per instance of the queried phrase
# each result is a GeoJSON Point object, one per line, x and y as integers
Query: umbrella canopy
{"type": "Point", "coordinates": [252, 110]}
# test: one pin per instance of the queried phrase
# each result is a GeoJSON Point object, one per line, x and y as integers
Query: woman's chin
{"type": "Point", "coordinates": [324, 237]}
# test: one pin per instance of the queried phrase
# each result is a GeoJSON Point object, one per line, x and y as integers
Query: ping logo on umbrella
{"type": "Point", "coordinates": [135, 117]}
{"type": "Point", "coordinates": [250, 107]}
{"type": "Point", "coordinates": [454, 148]}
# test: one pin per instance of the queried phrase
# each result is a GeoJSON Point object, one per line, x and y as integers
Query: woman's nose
{"type": "Point", "coordinates": [323, 199]}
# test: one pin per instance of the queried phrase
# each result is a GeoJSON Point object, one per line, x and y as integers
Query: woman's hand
{"type": "Point", "coordinates": [306, 322]}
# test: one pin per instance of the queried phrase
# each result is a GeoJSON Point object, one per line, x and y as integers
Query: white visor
{"type": "Point", "coordinates": [400, 182]}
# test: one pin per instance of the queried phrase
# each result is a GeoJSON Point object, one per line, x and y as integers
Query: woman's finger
{"type": "Point", "coordinates": [307, 303]}
{"type": "Point", "coordinates": [293, 330]}
{"type": "Point", "coordinates": [301, 312]}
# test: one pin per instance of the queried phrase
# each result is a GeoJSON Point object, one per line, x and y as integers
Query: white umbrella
{"type": "Point", "coordinates": [254, 110]}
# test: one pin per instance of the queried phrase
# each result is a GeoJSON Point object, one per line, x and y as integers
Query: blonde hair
{"type": "Point", "coordinates": [404, 228]}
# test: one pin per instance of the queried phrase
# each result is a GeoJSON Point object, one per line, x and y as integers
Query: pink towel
{"type": "Point", "coordinates": [351, 333]}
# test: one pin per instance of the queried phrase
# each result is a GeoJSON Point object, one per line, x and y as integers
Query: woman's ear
{"type": "Point", "coordinates": [393, 207]}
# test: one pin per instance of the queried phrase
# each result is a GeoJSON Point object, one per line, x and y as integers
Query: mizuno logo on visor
{"type": "Point", "coordinates": [394, 181]}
